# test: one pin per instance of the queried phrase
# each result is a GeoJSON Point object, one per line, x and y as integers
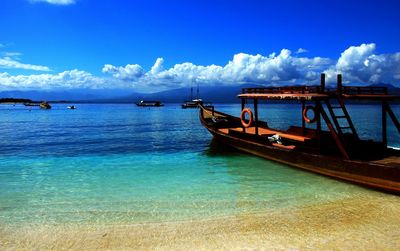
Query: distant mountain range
{"type": "Point", "coordinates": [214, 94]}
{"type": "Point", "coordinates": [85, 95]}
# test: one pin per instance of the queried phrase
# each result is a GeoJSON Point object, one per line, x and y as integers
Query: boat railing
{"type": "Point", "coordinates": [349, 90]}
{"type": "Point", "coordinates": [357, 90]}
{"type": "Point", "coordinates": [302, 89]}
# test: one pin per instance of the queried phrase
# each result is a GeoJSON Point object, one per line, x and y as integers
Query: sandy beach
{"type": "Point", "coordinates": [348, 224]}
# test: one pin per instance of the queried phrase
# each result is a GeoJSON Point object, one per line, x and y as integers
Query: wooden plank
{"type": "Point", "coordinates": [288, 96]}
{"type": "Point", "coordinates": [224, 130]}
{"type": "Point", "coordinates": [290, 147]}
{"type": "Point", "coordinates": [264, 131]}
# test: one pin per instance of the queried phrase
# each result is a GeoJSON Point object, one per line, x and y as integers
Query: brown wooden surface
{"type": "Point", "coordinates": [383, 174]}
{"type": "Point", "coordinates": [265, 131]}
{"type": "Point", "coordinates": [297, 96]}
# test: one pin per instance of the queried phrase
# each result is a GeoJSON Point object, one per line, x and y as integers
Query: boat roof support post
{"type": "Point", "coordinates": [318, 117]}
{"type": "Point", "coordinates": [384, 127]}
{"type": "Point", "coordinates": [303, 121]}
{"type": "Point", "coordinates": [323, 82]}
{"type": "Point", "coordinates": [256, 115]}
{"type": "Point", "coordinates": [339, 85]}
{"type": "Point", "coordinates": [243, 103]}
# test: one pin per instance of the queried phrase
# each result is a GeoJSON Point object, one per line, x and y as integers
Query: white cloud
{"type": "Point", "coordinates": [358, 64]}
{"type": "Point", "coordinates": [301, 50]}
{"type": "Point", "coordinates": [129, 72]}
{"type": "Point", "coordinates": [11, 63]}
{"type": "Point", "coordinates": [56, 2]}
{"type": "Point", "coordinates": [361, 64]}
{"type": "Point", "coordinates": [158, 66]}
{"type": "Point", "coordinates": [65, 80]}
{"type": "Point", "coordinates": [12, 54]}
{"type": "Point", "coordinates": [243, 68]}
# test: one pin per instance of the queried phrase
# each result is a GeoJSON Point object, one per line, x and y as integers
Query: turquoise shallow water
{"type": "Point", "coordinates": [111, 163]}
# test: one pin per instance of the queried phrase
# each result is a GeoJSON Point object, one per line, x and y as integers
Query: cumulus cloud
{"type": "Point", "coordinates": [358, 64]}
{"type": "Point", "coordinates": [243, 68]}
{"type": "Point", "coordinates": [362, 65]}
{"type": "Point", "coordinates": [65, 80]}
{"type": "Point", "coordinates": [129, 72]}
{"type": "Point", "coordinates": [56, 2]}
{"type": "Point", "coordinates": [158, 66]}
{"type": "Point", "coordinates": [12, 63]}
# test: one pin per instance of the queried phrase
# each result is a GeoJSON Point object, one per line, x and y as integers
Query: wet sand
{"type": "Point", "coordinates": [349, 224]}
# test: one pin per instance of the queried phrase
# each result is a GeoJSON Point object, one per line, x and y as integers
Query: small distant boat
{"type": "Point", "coordinates": [192, 104]}
{"type": "Point", "coordinates": [337, 152]}
{"type": "Point", "coordinates": [72, 107]}
{"type": "Point", "coordinates": [150, 103]}
{"type": "Point", "coordinates": [45, 105]}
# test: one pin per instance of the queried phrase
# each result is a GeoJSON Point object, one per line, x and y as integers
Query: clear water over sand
{"type": "Point", "coordinates": [117, 169]}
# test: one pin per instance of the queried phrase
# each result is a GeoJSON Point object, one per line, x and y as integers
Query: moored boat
{"type": "Point", "coordinates": [337, 152]}
{"type": "Point", "coordinates": [45, 105]}
{"type": "Point", "coordinates": [149, 103]}
{"type": "Point", "coordinates": [192, 104]}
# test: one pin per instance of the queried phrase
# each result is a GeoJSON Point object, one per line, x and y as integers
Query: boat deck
{"type": "Point", "coordinates": [267, 132]}
{"type": "Point", "coordinates": [391, 160]}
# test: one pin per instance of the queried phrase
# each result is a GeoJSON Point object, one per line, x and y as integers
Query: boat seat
{"type": "Point", "coordinates": [224, 130]}
{"type": "Point", "coordinates": [268, 132]}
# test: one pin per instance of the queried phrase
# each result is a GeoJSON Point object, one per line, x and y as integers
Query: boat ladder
{"type": "Point", "coordinates": [341, 119]}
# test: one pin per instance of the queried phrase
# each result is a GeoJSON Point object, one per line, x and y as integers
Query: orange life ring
{"type": "Point", "coordinates": [305, 111]}
{"type": "Point", "coordinates": [242, 117]}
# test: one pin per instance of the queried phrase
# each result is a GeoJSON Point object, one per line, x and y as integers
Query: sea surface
{"type": "Point", "coordinates": [122, 164]}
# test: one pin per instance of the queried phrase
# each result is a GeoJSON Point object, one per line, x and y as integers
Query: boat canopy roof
{"type": "Point", "coordinates": [297, 96]}
{"type": "Point", "coordinates": [317, 93]}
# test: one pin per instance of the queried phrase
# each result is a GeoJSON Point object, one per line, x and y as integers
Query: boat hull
{"type": "Point", "coordinates": [366, 173]}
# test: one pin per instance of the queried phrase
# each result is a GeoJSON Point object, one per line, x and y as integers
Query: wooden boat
{"type": "Point", "coordinates": [337, 152]}
{"type": "Point", "coordinates": [149, 103]}
{"type": "Point", "coordinates": [45, 105]}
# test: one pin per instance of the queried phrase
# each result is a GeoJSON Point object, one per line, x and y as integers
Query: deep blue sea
{"type": "Point", "coordinates": [118, 163]}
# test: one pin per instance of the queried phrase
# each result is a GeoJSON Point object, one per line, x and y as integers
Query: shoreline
{"type": "Point", "coordinates": [353, 223]}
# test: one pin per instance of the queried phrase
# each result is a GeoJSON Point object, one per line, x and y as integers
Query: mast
{"type": "Point", "coordinates": [197, 95]}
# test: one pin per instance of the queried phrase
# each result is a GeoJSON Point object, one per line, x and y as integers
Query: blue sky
{"type": "Point", "coordinates": [88, 43]}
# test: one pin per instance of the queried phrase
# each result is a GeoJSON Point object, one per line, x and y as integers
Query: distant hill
{"type": "Point", "coordinates": [15, 100]}
{"type": "Point", "coordinates": [213, 94]}
{"type": "Point", "coordinates": [86, 95]}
